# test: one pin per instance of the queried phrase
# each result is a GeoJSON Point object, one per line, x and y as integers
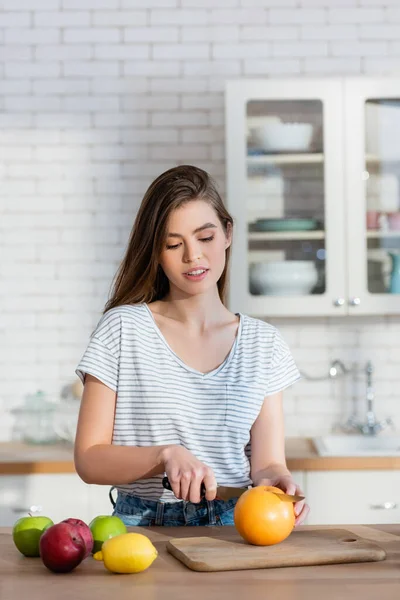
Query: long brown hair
{"type": "Point", "coordinates": [140, 277]}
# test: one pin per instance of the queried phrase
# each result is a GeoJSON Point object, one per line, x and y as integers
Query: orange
{"type": "Point", "coordinates": [261, 518]}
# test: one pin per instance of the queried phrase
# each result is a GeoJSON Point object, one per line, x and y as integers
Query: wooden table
{"type": "Point", "coordinates": [168, 579]}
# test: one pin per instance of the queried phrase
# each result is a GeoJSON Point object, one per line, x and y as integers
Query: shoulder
{"type": "Point", "coordinates": [118, 318]}
{"type": "Point", "coordinates": [261, 336]}
{"type": "Point", "coordinates": [257, 329]}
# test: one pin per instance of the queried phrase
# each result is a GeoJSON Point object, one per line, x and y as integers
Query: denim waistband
{"type": "Point", "coordinates": [140, 511]}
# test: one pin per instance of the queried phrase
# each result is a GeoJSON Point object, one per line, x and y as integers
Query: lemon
{"type": "Point", "coordinates": [127, 553]}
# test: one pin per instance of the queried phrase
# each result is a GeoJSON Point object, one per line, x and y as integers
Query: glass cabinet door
{"type": "Point", "coordinates": [283, 141]}
{"type": "Point", "coordinates": [285, 207]}
{"type": "Point", "coordinates": [374, 171]}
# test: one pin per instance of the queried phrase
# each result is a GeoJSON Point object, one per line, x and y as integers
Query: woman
{"type": "Point", "coordinates": [174, 383]}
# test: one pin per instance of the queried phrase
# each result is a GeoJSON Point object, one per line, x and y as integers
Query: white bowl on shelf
{"type": "Point", "coordinates": [283, 278]}
{"type": "Point", "coordinates": [283, 137]}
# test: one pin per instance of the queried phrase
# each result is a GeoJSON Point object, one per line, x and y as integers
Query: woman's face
{"type": "Point", "coordinates": [193, 254]}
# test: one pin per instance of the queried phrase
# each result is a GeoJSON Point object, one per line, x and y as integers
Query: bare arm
{"type": "Point", "coordinates": [268, 463]}
{"type": "Point", "coordinates": [268, 439]}
{"type": "Point", "coordinates": [96, 459]}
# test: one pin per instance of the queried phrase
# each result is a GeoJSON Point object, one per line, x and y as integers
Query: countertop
{"type": "Point", "coordinates": [19, 459]}
{"type": "Point", "coordinates": [168, 579]}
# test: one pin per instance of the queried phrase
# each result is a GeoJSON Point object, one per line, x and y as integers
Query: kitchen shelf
{"type": "Point", "coordinates": [259, 236]}
{"type": "Point", "coordinates": [383, 234]}
{"type": "Point", "coordinates": [286, 159]}
{"type": "Point", "coordinates": [377, 158]}
{"type": "Point", "coordinates": [305, 158]}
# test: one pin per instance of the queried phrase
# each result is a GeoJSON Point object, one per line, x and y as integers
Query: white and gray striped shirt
{"type": "Point", "coordinates": [161, 400]}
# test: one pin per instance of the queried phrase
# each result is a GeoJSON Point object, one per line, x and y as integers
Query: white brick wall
{"type": "Point", "coordinates": [98, 97]}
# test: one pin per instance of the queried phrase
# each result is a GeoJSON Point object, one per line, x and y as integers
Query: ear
{"type": "Point", "coordinates": [228, 235]}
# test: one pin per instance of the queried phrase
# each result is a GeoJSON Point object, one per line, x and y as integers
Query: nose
{"type": "Point", "coordinates": [192, 253]}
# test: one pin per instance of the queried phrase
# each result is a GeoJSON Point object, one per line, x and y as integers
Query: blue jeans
{"type": "Point", "coordinates": [134, 511]}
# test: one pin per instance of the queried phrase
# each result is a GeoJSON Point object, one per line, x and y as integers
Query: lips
{"type": "Point", "coordinates": [196, 274]}
{"type": "Point", "coordinates": [196, 271]}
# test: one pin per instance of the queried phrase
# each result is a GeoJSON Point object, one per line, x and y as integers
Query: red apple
{"type": "Point", "coordinates": [62, 547]}
{"type": "Point", "coordinates": [85, 532]}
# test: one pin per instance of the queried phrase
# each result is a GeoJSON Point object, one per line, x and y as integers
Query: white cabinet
{"type": "Point", "coordinates": [353, 497]}
{"type": "Point", "coordinates": [99, 501]}
{"type": "Point", "coordinates": [59, 497]}
{"type": "Point", "coordinates": [313, 171]}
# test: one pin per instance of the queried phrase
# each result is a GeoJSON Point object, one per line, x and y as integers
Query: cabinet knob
{"type": "Point", "coordinates": [355, 301]}
{"type": "Point", "coordinates": [31, 509]}
{"type": "Point", "coordinates": [384, 505]}
{"type": "Point", "coordinates": [338, 302]}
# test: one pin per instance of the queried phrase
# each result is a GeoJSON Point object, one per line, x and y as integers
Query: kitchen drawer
{"type": "Point", "coordinates": [340, 497]}
{"type": "Point", "coordinates": [58, 495]}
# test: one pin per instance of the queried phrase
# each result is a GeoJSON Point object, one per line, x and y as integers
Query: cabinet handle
{"type": "Point", "coordinates": [338, 302]}
{"type": "Point", "coordinates": [384, 505]}
{"type": "Point", "coordinates": [355, 301]}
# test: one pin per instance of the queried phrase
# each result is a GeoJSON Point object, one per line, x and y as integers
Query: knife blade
{"type": "Point", "coordinates": [226, 493]}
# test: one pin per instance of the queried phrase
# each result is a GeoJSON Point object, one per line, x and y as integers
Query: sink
{"type": "Point", "coordinates": [357, 445]}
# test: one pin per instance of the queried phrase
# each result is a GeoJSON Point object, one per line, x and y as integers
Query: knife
{"type": "Point", "coordinates": [226, 493]}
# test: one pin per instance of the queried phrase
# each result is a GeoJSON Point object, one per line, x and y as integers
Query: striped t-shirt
{"type": "Point", "coordinates": [161, 400]}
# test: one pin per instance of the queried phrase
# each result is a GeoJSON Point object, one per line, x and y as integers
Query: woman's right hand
{"type": "Point", "coordinates": [186, 474]}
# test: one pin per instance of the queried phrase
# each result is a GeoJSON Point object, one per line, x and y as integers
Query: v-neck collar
{"type": "Point", "coordinates": [181, 362]}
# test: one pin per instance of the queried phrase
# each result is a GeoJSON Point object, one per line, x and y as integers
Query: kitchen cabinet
{"type": "Point", "coordinates": [335, 497]}
{"type": "Point", "coordinates": [358, 497]}
{"type": "Point", "coordinates": [313, 169]}
{"type": "Point", "coordinates": [58, 496]}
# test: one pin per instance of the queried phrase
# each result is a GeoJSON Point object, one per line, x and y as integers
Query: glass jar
{"type": "Point", "coordinates": [34, 423]}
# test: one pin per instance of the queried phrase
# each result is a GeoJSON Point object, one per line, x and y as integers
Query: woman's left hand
{"type": "Point", "coordinates": [289, 486]}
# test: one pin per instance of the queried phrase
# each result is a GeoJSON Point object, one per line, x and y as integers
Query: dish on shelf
{"type": "Point", "coordinates": [276, 136]}
{"type": "Point", "coordinates": [295, 224]}
{"type": "Point", "coordinates": [283, 278]}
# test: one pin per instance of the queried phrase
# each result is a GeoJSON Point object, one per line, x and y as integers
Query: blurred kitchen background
{"type": "Point", "coordinates": [98, 97]}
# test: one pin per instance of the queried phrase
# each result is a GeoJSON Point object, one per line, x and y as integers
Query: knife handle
{"type": "Point", "coordinates": [167, 486]}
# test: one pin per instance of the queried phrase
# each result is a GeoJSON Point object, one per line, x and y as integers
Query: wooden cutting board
{"type": "Point", "coordinates": [316, 547]}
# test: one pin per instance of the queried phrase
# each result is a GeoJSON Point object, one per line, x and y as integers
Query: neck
{"type": "Point", "coordinates": [197, 312]}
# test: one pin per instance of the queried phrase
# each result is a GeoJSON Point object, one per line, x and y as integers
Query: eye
{"type": "Point", "coordinates": [173, 247]}
{"type": "Point", "coordinates": [208, 239]}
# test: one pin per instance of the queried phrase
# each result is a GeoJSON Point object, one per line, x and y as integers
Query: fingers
{"type": "Point", "coordinates": [188, 485]}
{"type": "Point", "coordinates": [185, 485]}
{"type": "Point", "coordinates": [301, 509]}
{"type": "Point", "coordinates": [194, 493]}
{"type": "Point", "coordinates": [210, 484]}
{"type": "Point", "coordinates": [291, 488]}
{"type": "Point", "coordinates": [303, 514]}
{"type": "Point", "coordinates": [186, 475]}
{"type": "Point", "coordinates": [175, 482]}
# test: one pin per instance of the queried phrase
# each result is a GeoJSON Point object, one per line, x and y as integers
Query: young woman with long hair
{"type": "Point", "coordinates": [175, 384]}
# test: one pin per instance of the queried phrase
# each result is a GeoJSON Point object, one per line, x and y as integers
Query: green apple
{"type": "Point", "coordinates": [105, 527]}
{"type": "Point", "coordinates": [27, 532]}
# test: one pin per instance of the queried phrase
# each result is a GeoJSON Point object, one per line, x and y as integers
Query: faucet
{"type": "Point", "coordinates": [371, 426]}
